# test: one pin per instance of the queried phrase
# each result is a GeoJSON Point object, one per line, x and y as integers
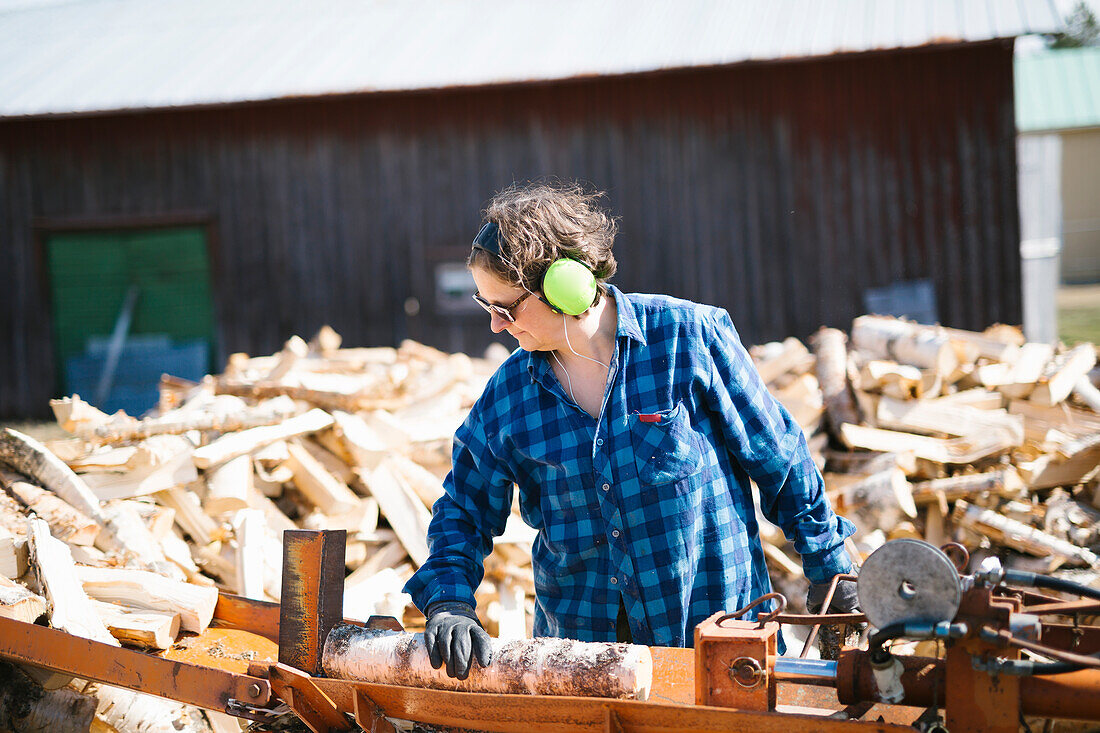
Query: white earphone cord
{"type": "Point", "coordinates": [568, 381]}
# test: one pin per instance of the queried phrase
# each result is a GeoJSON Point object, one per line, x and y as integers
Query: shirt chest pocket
{"type": "Point", "coordinates": [666, 449]}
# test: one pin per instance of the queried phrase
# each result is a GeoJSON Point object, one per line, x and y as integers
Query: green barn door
{"type": "Point", "coordinates": [171, 327]}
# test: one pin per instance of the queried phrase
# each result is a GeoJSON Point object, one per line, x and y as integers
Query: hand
{"type": "Point", "coordinates": [454, 635]}
{"type": "Point", "coordinates": [845, 599]}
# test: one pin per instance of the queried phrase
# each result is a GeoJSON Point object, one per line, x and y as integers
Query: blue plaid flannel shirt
{"type": "Point", "coordinates": [652, 501]}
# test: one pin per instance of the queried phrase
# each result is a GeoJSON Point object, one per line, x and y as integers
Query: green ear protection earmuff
{"type": "Point", "coordinates": [567, 285]}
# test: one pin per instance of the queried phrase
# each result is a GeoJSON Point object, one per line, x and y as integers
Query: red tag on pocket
{"type": "Point", "coordinates": [649, 418]}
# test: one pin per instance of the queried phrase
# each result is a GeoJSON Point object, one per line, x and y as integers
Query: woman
{"type": "Point", "coordinates": [631, 425]}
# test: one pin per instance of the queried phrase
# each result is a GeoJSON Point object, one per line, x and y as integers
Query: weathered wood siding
{"type": "Point", "coordinates": [779, 191]}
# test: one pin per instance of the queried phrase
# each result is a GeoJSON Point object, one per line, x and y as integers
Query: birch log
{"type": "Point", "coordinates": [1003, 482]}
{"type": "Point", "coordinates": [543, 666]}
{"type": "Point", "coordinates": [1018, 535]}
{"type": "Point", "coordinates": [26, 707]}
{"type": "Point", "coordinates": [66, 523]}
{"type": "Point", "coordinates": [904, 342]}
{"type": "Point", "coordinates": [830, 348]}
{"type": "Point", "coordinates": [32, 459]}
{"type": "Point", "coordinates": [134, 712]}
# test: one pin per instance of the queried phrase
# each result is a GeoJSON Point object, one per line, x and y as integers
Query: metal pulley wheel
{"type": "Point", "coordinates": [908, 581]}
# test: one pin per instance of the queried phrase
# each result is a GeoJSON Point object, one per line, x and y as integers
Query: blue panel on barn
{"type": "Point", "coordinates": [913, 299]}
{"type": "Point", "coordinates": [142, 362]}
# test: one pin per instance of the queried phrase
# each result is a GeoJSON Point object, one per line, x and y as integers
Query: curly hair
{"type": "Point", "coordinates": [543, 221]}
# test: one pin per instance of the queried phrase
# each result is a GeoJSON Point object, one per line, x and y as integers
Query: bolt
{"type": "Point", "coordinates": [254, 690]}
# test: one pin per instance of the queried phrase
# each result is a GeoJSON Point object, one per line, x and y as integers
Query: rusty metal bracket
{"type": "Point", "coordinates": [369, 715]}
{"type": "Point", "coordinates": [308, 702]}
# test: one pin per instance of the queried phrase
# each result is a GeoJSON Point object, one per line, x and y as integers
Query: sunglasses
{"type": "Point", "coordinates": [504, 311]}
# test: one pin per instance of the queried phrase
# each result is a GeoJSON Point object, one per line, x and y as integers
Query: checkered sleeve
{"type": "Point", "coordinates": [771, 447]}
{"type": "Point", "coordinates": [473, 509]}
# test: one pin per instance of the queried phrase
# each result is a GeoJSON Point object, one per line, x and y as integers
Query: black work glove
{"type": "Point", "coordinates": [845, 599]}
{"type": "Point", "coordinates": [831, 639]}
{"type": "Point", "coordinates": [454, 635]}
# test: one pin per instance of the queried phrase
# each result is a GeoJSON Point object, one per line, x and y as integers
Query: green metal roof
{"type": "Point", "coordinates": [1058, 90]}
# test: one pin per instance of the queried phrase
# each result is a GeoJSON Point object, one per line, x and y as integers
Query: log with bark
{"type": "Point", "coordinates": [27, 707]}
{"type": "Point", "coordinates": [544, 666]}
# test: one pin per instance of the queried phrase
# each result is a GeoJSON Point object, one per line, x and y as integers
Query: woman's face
{"type": "Point", "coordinates": [536, 328]}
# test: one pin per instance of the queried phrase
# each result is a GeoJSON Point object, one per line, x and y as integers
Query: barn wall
{"type": "Point", "coordinates": [779, 191]}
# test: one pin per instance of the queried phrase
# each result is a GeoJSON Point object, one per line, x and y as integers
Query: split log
{"type": "Point", "coordinates": [984, 346]}
{"type": "Point", "coordinates": [388, 555]}
{"type": "Point", "coordinates": [954, 451]}
{"type": "Point", "coordinates": [1039, 420]}
{"type": "Point", "coordinates": [27, 707]}
{"type": "Point", "coordinates": [898, 380]}
{"type": "Point", "coordinates": [512, 620]}
{"type": "Point", "coordinates": [938, 418]}
{"type": "Point", "coordinates": [131, 538]}
{"type": "Point", "coordinates": [1004, 482]}
{"type": "Point", "coordinates": [423, 482]}
{"type": "Point", "coordinates": [905, 342]}
{"type": "Point", "coordinates": [1087, 393]}
{"type": "Point", "coordinates": [1072, 465]}
{"type": "Point", "coordinates": [544, 666]}
{"type": "Point", "coordinates": [70, 608]}
{"type": "Point", "coordinates": [239, 444]}
{"type": "Point", "coordinates": [32, 459]}
{"type": "Point", "coordinates": [1033, 358]}
{"type": "Point", "coordinates": [250, 529]}
{"type": "Point", "coordinates": [141, 628]}
{"type": "Point", "coordinates": [323, 489]}
{"type": "Point", "coordinates": [294, 349]}
{"type": "Point", "coordinates": [176, 551]}
{"type": "Point", "coordinates": [146, 590]}
{"type": "Point", "coordinates": [793, 353]}
{"type": "Point", "coordinates": [66, 523]}
{"type": "Point", "coordinates": [125, 711]}
{"type": "Point", "coordinates": [228, 486]}
{"type": "Point", "coordinates": [880, 500]}
{"type": "Point", "coordinates": [13, 554]}
{"type": "Point", "coordinates": [1062, 374]}
{"type": "Point", "coordinates": [983, 399]}
{"type": "Point", "coordinates": [802, 398]}
{"type": "Point", "coordinates": [830, 348]}
{"type": "Point", "coordinates": [165, 472]}
{"type": "Point", "coordinates": [1018, 535]}
{"type": "Point", "coordinates": [405, 512]}
{"type": "Point", "coordinates": [16, 602]}
{"type": "Point", "coordinates": [189, 514]}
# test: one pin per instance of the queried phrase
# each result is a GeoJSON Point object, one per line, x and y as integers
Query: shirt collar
{"type": "Point", "coordinates": [627, 316]}
{"type": "Point", "coordinates": [627, 326]}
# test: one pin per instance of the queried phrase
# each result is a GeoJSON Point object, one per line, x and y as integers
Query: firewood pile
{"type": "Point", "coordinates": [126, 532]}
{"type": "Point", "coordinates": [932, 433]}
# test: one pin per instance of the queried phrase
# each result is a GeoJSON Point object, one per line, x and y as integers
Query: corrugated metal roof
{"type": "Point", "coordinates": [1058, 90]}
{"type": "Point", "coordinates": [102, 55]}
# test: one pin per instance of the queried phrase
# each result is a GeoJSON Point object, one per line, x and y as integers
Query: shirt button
{"type": "Point", "coordinates": [599, 441]}
{"type": "Point", "coordinates": [605, 487]}
{"type": "Point", "coordinates": [615, 533]}
{"type": "Point", "coordinates": [614, 581]}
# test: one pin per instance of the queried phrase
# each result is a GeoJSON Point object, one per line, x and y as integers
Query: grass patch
{"type": "Point", "coordinates": [1079, 314]}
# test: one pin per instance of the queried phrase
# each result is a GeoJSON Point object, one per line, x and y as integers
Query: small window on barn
{"type": "Point", "coordinates": [454, 286]}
